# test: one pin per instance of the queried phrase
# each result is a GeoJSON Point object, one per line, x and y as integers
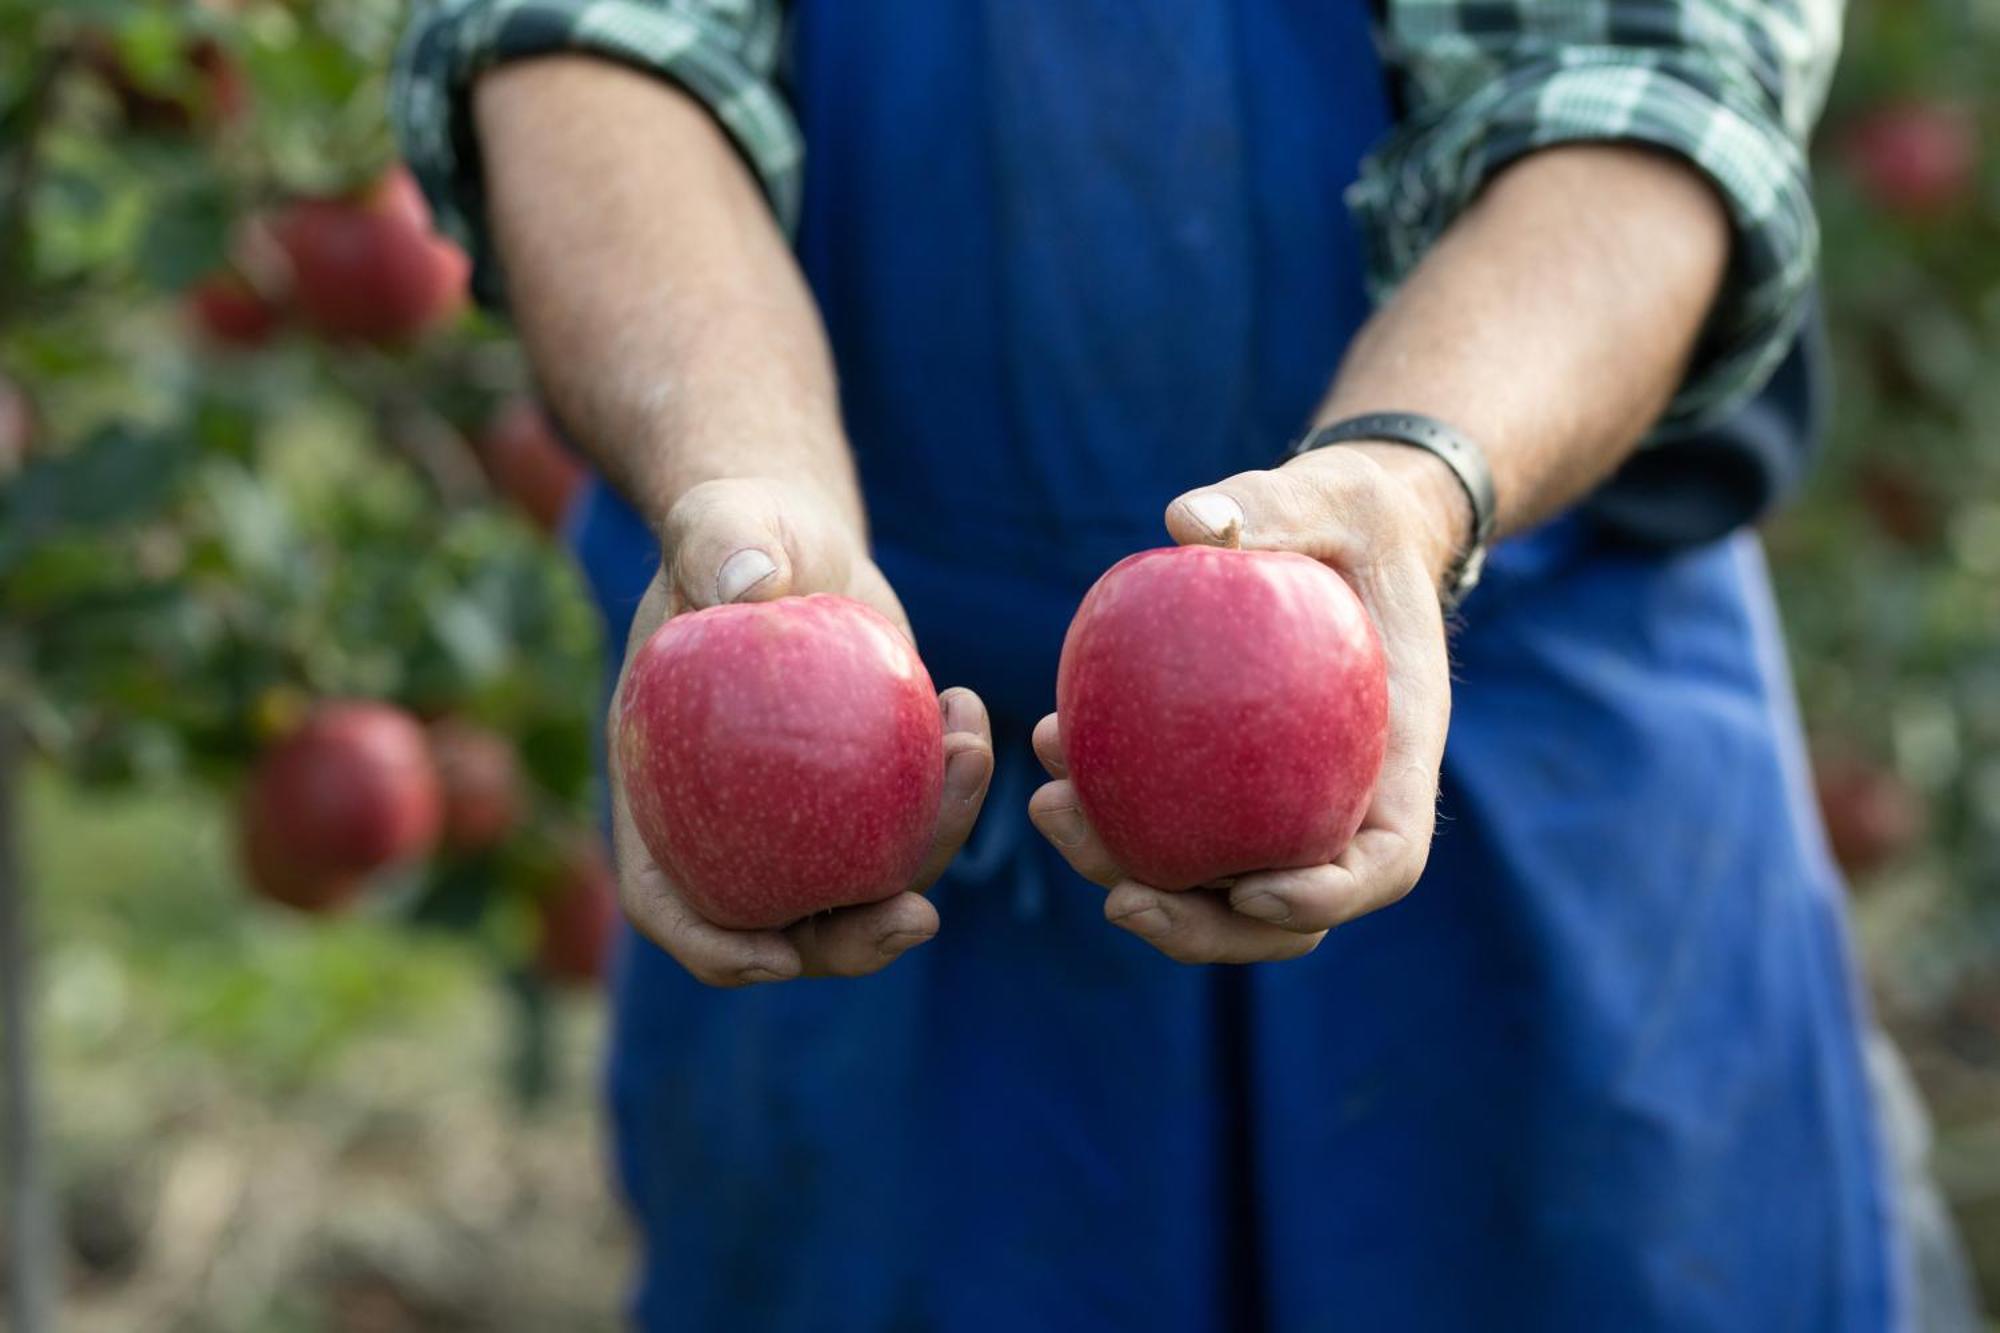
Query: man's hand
{"type": "Point", "coordinates": [1552, 322]}
{"type": "Point", "coordinates": [672, 330]}
{"type": "Point", "coordinates": [750, 541]}
{"type": "Point", "coordinates": [1389, 519]}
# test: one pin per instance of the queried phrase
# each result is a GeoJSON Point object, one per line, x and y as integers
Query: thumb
{"type": "Point", "coordinates": [726, 541]}
{"type": "Point", "coordinates": [1254, 510]}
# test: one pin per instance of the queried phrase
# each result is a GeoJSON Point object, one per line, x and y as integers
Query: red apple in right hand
{"type": "Point", "coordinates": [1222, 711]}
{"type": "Point", "coordinates": [781, 758]}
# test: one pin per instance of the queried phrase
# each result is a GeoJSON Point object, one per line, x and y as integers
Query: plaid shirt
{"type": "Point", "coordinates": [1732, 86]}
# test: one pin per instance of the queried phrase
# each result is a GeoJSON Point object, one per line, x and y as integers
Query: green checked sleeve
{"type": "Point", "coordinates": [721, 52]}
{"type": "Point", "coordinates": [1732, 86]}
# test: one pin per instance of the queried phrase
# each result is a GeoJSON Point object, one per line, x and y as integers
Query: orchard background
{"type": "Point", "coordinates": [261, 459]}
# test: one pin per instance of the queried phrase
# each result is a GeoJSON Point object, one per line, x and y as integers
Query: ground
{"type": "Point", "coordinates": [262, 1123]}
{"type": "Point", "coordinates": [265, 1124]}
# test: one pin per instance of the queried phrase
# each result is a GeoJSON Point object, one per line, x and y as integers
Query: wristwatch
{"type": "Point", "coordinates": [1466, 460]}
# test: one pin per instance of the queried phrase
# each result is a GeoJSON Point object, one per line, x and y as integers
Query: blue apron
{"type": "Point", "coordinates": [1600, 1071]}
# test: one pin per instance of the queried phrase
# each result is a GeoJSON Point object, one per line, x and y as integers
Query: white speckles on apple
{"type": "Point", "coordinates": [1222, 711]}
{"type": "Point", "coordinates": [782, 757]}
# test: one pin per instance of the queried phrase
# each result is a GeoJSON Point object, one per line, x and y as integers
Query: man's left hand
{"type": "Point", "coordinates": [1390, 520]}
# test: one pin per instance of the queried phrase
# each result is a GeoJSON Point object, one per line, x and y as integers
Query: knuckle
{"type": "Point", "coordinates": [1195, 948]}
{"type": "Point", "coordinates": [1401, 884]}
{"type": "Point", "coordinates": [1305, 944]}
{"type": "Point", "coordinates": [1409, 872]}
{"type": "Point", "coordinates": [848, 963]}
{"type": "Point", "coordinates": [710, 974]}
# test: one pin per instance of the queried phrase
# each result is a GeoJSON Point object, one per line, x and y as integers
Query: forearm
{"type": "Point", "coordinates": [1552, 323]}
{"type": "Point", "coordinates": [663, 312]}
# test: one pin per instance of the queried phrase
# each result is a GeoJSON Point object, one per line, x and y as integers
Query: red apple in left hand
{"type": "Point", "coordinates": [1222, 711]}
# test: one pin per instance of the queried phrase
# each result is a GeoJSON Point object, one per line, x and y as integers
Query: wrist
{"type": "Point", "coordinates": [1426, 501]}
{"type": "Point", "coordinates": [808, 474]}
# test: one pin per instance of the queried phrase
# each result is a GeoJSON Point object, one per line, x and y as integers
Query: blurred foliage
{"type": "Point", "coordinates": [199, 535]}
{"type": "Point", "coordinates": [1889, 570]}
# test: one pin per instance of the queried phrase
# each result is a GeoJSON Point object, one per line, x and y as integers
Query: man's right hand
{"type": "Point", "coordinates": [752, 540]}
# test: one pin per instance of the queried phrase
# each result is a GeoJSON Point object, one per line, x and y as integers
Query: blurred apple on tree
{"type": "Point", "coordinates": [577, 916]}
{"type": "Point", "coordinates": [229, 312]}
{"type": "Point", "coordinates": [1872, 816]}
{"type": "Point", "coordinates": [527, 461]}
{"type": "Point", "coordinates": [195, 84]}
{"type": "Point", "coordinates": [367, 266]}
{"type": "Point", "coordinates": [481, 782]}
{"type": "Point", "coordinates": [1913, 158]}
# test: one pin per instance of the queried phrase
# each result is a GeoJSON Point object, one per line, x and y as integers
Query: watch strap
{"type": "Point", "coordinates": [1450, 446]}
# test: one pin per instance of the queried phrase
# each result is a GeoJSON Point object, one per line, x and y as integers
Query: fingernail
{"type": "Point", "coordinates": [753, 975]}
{"type": "Point", "coordinates": [960, 712]}
{"type": "Point", "coordinates": [1066, 826]}
{"type": "Point", "coordinates": [1220, 515]}
{"type": "Point", "coordinates": [1151, 922]}
{"type": "Point", "coordinates": [741, 572]}
{"type": "Point", "coordinates": [900, 941]}
{"type": "Point", "coordinates": [1262, 905]}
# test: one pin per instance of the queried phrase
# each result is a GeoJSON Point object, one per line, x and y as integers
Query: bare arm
{"type": "Point", "coordinates": [659, 303]}
{"type": "Point", "coordinates": [1552, 322]}
{"type": "Point", "coordinates": [678, 342]}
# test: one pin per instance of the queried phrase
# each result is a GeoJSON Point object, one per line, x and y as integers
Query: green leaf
{"type": "Point", "coordinates": [187, 237]}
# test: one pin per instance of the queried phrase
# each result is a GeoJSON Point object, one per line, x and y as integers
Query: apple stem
{"type": "Point", "coordinates": [1232, 534]}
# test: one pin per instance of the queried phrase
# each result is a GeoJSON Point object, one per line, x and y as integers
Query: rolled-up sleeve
{"type": "Point", "coordinates": [1731, 86]}
{"type": "Point", "coordinates": [721, 52]}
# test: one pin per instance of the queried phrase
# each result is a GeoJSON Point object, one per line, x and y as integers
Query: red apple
{"type": "Point", "coordinates": [1222, 711]}
{"type": "Point", "coordinates": [577, 918]}
{"type": "Point", "coordinates": [1914, 158]}
{"type": "Point", "coordinates": [782, 758]}
{"type": "Point", "coordinates": [369, 268]}
{"type": "Point", "coordinates": [229, 312]}
{"type": "Point", "coordinates": [529, 463]}
{"type": "Point", "coordinates": [351, 791]}
{"type": "Point", "coordinates": [1872, 817]}
{"type": "Point", "coordinates": [1903, 507]}
{"type": "Point", "coordinates": [481, 781]}
{"type": "Point", "coordinates": [273, 873]}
